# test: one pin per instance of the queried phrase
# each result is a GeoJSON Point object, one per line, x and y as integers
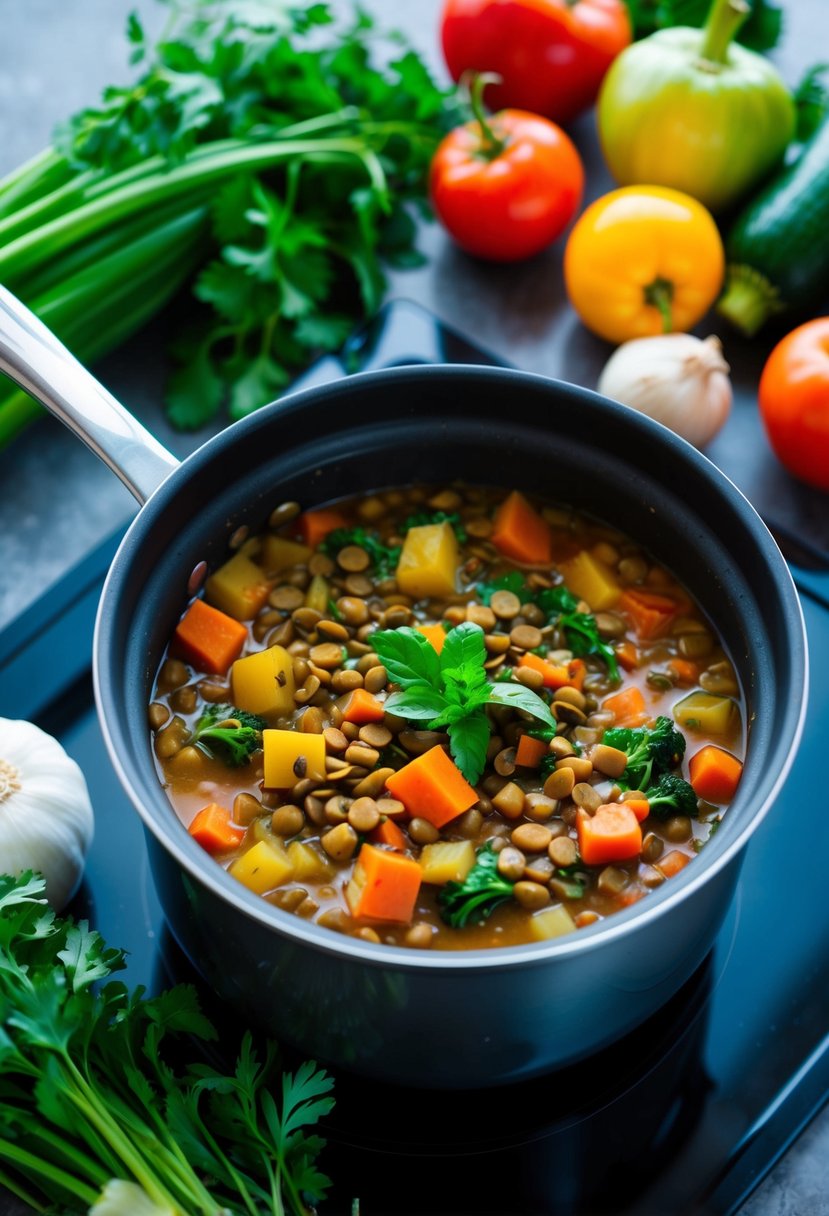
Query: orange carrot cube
{"type": "Point", "coordinates": [435, 634]}
{"type": "Point", "coordinates": [715, 774]}
{"type": "Point", "coordinates": [209, 639]}
{"type": "Point", "coordinates": [384, 886]}
{"type": "Point", "coordinates": [530, 751]}
{"type": "Point", "coordinates": [612, 834]}
{"type": "Point", "coordinates": [214, 830]}
{"type": "Point", "coordinates": [363, 707]}
{"type": "Point", "coordinates": [432, 787]}
{"type": "Point", "coordinates": [521, 533]}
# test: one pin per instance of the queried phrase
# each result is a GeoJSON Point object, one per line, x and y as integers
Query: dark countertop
{"type": "Point", "coordinates": [57, 501]}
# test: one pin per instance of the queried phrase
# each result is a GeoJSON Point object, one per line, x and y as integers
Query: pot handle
{"type": "Point", "coordinates": [34, 358]}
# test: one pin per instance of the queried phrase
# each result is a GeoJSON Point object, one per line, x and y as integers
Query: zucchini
{"type": "Point", "coordinates": [778, 248]}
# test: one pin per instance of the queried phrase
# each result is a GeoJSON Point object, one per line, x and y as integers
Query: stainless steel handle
{"type": "Point", "coordinates": [36, 360]}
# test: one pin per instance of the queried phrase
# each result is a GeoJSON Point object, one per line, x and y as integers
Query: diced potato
{"type": "Point", "coordinates": [291, 755]}
{"type": "Point", "coordinates": [263, 683]}
{"type": "Point", "coordinates": [278, 553]}
{"type": "Point", "coordinates": [318, 594]}
{"type": "Point", "coordinates": [308, 865]}
{"type": "Point", "coordinates": [551, 922]}
{"type": "Point", "coordinates": [239, 587]}
{"type": "Point", "coordinates": [263, 867]}
{"type": "Point", "coordinates": [447, 861]}
{"type": "Point", "coordinates": [591, 580]}
{"type": "Point", "coordinates": [707, 713]}
{"type": "Point", "coordinates": [429, 561]}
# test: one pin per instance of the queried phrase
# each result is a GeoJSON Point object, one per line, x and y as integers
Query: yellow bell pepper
{"type": "Point", "coordinates": [642, 261]}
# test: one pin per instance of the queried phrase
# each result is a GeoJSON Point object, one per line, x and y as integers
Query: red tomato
{"type": "Point", "coordinates": [552, 55]}
{"type": "Point", "coordinates": [512, 202]}
{"type": "Point", "coordinates": [794, 402]}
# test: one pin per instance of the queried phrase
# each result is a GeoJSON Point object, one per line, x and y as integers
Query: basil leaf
{"type": "Point", "coordinates": [407, 656]}
{"type": "Point", "coordinates": [464, 653]}
{"type": "Point", "coordinates": [468, 741]}
{"type": "Point", "coordinates": [418, 702]}
{"type": "Point", "coordinates": [517, 696]}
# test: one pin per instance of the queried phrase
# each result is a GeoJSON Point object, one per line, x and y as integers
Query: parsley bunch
{"type": "Point", "coordinates": [449, 691]}
{"type": "Point", "coordinates": [278, 156]}
{"type": "Point", "coordinates": [89, 1093]}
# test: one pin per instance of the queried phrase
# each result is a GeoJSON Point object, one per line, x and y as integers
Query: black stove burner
{"type": "Point", "coordinates": [684, 1115]}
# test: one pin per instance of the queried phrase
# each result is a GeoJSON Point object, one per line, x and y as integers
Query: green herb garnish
{"type": "Point", "coordinates": [480, 893]}
{"type": "Point", "coordinates": [91, 1099]}
{"type": "Point", "coordinates": [514, 582]}
{"type": "Point", "coordinates": [761, 31]}
{"type": "Point", "coordinates": [217, 735]}
{"type": "Point", "coordinates": [580, 628]}
{"type": "Point", "coordinates": [449, 691]}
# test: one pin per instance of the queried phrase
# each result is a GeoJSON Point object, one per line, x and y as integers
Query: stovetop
{"type": "Point", "coordinates": [685, 1115]}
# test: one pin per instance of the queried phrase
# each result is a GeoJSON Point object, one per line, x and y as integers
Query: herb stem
{"type": "Point", "coordinates": [30, 1164]}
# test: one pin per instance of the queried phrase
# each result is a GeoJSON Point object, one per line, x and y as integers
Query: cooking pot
{"type": "Point", "coordinates": [419, 1017]}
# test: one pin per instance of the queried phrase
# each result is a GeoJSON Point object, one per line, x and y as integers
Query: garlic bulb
{"type": "Point", "coordinates": [46, 819]}
{"type": "Point", "coordinates": [679, 380]}
{"type": "Point", "coordinates": [122, 1198]}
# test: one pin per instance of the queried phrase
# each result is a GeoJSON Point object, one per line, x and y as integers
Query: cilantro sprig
{"type": "Point", "coordinates": [449, 691]}
{"type": "Point", "coordinates": [93, 1099]}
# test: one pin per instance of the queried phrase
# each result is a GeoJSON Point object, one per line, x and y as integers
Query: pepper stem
{"type": "Point", "coordinates": [724, 19]}
{"type": "Point", "coordinates": [660, 294]}
{"type": "Point", "coordinates": [476, 82]}
{"type": "Point", "coordinates": [9, 780]}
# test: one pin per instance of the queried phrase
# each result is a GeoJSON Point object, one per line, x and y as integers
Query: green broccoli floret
{"type": "Point", "coordinates": [229, 734]}
{"type": "Point", "coordinates": [649, 752]}
{"type": "Point", "coordinates": [671, 795]}
{"type": "Point", "coordinates": [478, 895]}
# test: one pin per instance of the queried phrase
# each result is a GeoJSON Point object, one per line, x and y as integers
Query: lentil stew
{"type": "Point", "coordinates": [447, 717]}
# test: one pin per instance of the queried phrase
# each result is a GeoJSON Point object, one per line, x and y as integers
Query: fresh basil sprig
{"type": "Point", "coordinates": [449, 691]}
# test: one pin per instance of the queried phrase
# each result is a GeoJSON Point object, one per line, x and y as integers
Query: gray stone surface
{"type": "Point", "coordinates": [56, 501]}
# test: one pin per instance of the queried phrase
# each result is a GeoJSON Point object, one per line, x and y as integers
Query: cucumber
{"type": "Point", "coordinates": [778, 247]}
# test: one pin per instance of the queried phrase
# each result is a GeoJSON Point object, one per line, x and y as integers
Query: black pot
{"type": "Point", "coordinates": [456, 1019]}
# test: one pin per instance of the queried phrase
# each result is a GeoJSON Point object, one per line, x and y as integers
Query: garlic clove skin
{"type": "Point", "coordinates": [676, 379]}
{"type": "Point", "coordinates": [46, 817]}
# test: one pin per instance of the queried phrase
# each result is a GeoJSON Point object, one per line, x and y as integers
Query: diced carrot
{"type": "Point", "coordinates": [627, 656]}
{"type": "Point", "coordinates": [435, 634]}
{"type": "Point", "coordinates": [672, 863]}
{"type": "Point", "coordinates": [650, 612]}
{"type": "Point", "coordinates": [612, 834]}
{"type": "Point", "coordinates": [387, 832]}
{"type": "Point", "coordinates": [363, 707]}
{"type": "Point", "coordinates": [556, 675]}
{"type": "Point", "coordinates": [715, 774]}
{"type": "Point", "coordinates": [384, 885]}
{"type": "Point", "coordinates": [627, 706]}
{"type": "Point", "coordinates": [530, 751]}
{"type": "Point", "coordinates": [521, 533]}
{"type": "Point", "coordinates": [626, 899]}
{"type": "Point", "coordinates": [209, 639]}
{"type": "Point", "coordinates": [314, 526]}
{"type": "Point", "coordinates": [214, 830]}
{"type": "Point", "coordinates": [684, 671]}
{"type": "Point", "coordinates": [432, 787]}
{"type": "Point", "coordinates": [640, 807]}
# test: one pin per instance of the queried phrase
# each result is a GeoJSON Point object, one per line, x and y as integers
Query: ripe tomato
{"type": "Point", "coordinates": [552, 55]}
{"type": "Point", "coordinates": [505, 188]}
{"type": "Point", "coordinates": [794, 402]}
{"type": "Point", "coordinates": [641, 261]}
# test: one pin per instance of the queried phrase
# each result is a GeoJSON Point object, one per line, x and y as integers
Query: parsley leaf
{"type": "Point", "coordinates": [580, 628]}
{"type": "Point", "coordinates": [761, 31]}
{"type": "Point", "coordinates": [450, 691]}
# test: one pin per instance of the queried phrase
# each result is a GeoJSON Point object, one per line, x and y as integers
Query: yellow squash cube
{"type": "Point", "coordinates": [308, 864]}
{"type": "Point", "coordinates": [278, 553]}
{"type": "Point", "coordinates": [290, 756]}
{"type": "Point", "coordinates": [239, 587]}
{"type": "Point", "coordinates": [447, 861]}
{"type": "Point", "coordinates": [263, 867]}
{"type": "Point", "coordinates": [429, 561]}
{"type": "Point", "coordinates": [263, 683]}
{"type": "Point", "coordinates": [591, 580]}
{"type": "Point", "coordinates": [551, 922]}
{"type": "Point", "coordinates": [708, 713]}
